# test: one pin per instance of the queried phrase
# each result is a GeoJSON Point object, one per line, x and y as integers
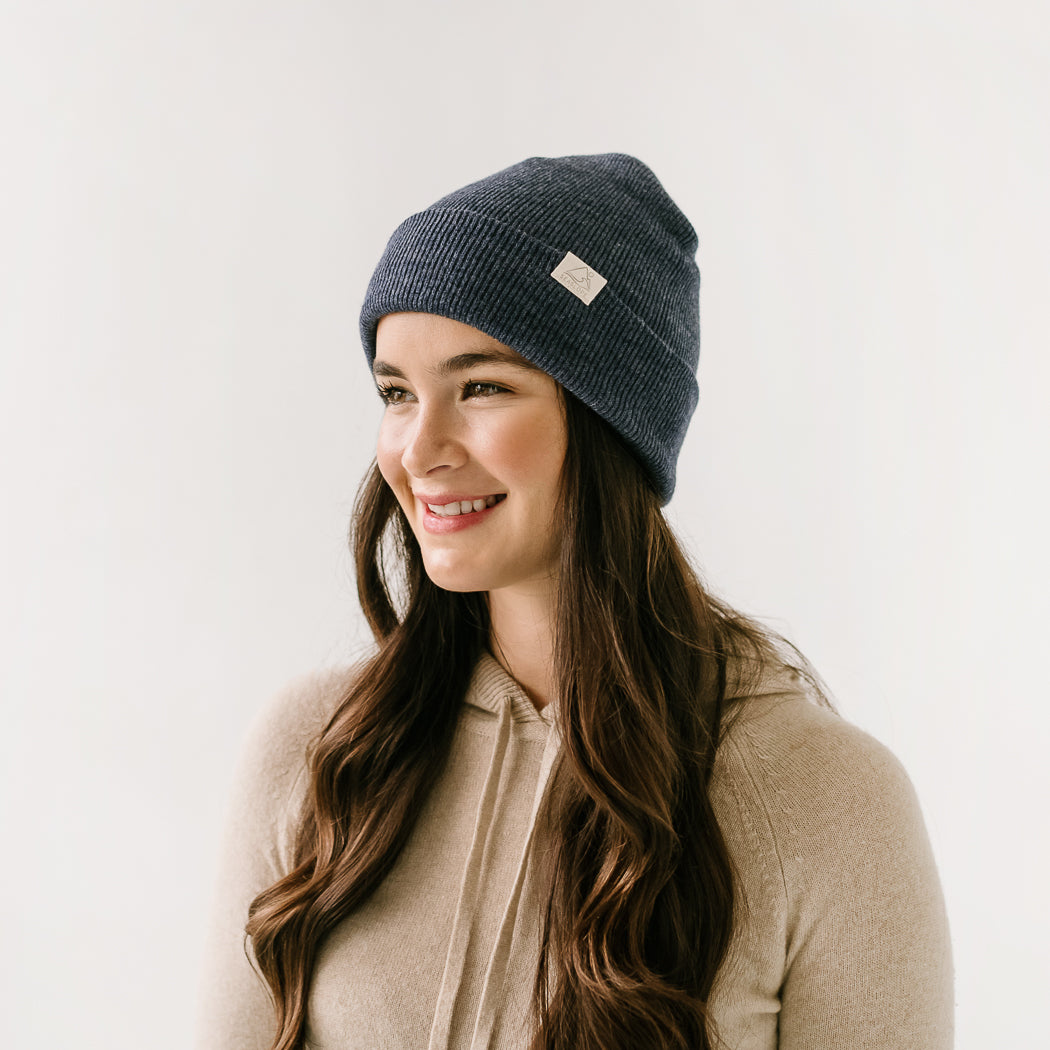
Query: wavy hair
{"type": "Point", "coordinates": [640, 904]}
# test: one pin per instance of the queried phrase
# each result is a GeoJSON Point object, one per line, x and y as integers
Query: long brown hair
{"type": "Point", "coordinates": [640, 903]}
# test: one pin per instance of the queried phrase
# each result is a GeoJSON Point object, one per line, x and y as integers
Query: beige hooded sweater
{"type": "Point", "coordinates": [841, 942]}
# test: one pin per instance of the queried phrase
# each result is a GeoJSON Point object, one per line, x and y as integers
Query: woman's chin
{"type": "Point", "coordinates": [459, 579]}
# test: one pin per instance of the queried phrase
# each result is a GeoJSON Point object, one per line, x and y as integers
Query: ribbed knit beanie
{"type": "Point", "coordinates": [584, 266]}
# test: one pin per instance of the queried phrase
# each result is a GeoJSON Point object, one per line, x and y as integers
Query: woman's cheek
{"type": "Point", "coordinates": [387, 457]}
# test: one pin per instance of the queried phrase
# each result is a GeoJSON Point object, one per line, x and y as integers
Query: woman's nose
{"type": "Point", "coordinates": [433, 443]}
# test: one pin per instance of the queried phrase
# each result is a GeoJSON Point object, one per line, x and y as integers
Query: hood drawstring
{"type": "Point", "coordinates": [495, 975]}
{"type": "Point", "coordinates": [467, 905]}
{"type": "Point", "coordinates": [470, 896]}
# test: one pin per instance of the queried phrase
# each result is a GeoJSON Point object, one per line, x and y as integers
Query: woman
{"type": "Point", "coordinates": [571, 800]}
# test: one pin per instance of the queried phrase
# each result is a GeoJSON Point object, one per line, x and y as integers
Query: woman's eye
{"type": "Point", "coordinates": [473, 389]}
{"type": "Point", "coordinates": [392, 395]}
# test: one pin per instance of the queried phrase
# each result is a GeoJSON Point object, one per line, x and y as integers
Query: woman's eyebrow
{"type": "Point", "coordinates": [461, 363]}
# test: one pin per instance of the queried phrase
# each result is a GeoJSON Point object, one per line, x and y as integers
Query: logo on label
{"type": "Point", "coordinates": [579, 278]}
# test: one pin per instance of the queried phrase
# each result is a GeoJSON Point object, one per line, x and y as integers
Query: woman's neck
{"type": "Point", "coordinates": [522, 640]}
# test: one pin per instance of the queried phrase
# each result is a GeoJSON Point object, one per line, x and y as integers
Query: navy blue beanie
{"type": "Point", "coordinates": [584, 266]}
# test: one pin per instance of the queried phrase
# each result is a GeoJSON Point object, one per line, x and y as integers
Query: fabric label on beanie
{"type": "Point", "coordinates": [579, 278]}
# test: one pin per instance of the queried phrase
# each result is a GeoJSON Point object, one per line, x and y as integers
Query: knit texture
{"type": "Point", "coordinates": [484, 256]}
{"type": "Point", "coordinates": [840, 939]}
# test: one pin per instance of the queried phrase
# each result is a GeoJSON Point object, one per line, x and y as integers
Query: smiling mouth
{"type": "Point", "coordinates": [465, 506]}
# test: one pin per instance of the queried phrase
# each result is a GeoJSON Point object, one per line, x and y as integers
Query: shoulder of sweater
{"type": "Point", "coordinates": [788, 741]}
{"type": "Point", "coordinates": [298, 711]}
{"type": "Point", "coordinates": [276, 748]}
{"type": "Point", "coordinates": [832, 798]}
{"type": "Point", "coordinates": [828, 840]}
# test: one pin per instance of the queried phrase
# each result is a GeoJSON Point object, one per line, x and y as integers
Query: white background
{"type": "Point", "coordinates": [193, 197]}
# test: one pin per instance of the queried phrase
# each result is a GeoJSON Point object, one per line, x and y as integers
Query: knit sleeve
{"type": "Point", "coordinates": [863, 945]}
{"type": "Point", "coordinates": [234, 1008]}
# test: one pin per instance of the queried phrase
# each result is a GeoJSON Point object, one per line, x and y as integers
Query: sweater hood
{"type": "Point", "coordinates": [492, 688]}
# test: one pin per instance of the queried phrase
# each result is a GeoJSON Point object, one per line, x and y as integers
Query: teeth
{"type": "Point", "coordinates": [466, 506]}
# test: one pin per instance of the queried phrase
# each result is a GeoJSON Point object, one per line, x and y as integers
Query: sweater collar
{"type": "Point", "coordinates": [492, 687]}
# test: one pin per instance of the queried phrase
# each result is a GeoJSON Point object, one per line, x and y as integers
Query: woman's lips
{"type": "Point", "coordinates": [446, 513]}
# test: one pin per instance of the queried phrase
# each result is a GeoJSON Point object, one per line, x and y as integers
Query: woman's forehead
{"type": "Point", "coordinates": [451, 345]}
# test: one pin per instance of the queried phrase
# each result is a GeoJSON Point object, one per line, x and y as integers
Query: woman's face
{"type": "Point", "coordinates": [472, 443]}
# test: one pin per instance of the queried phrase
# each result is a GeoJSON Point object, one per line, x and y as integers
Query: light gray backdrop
{"type": "Point", "coordinates": [193, 196]}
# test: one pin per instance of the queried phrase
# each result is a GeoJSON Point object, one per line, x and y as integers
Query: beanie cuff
{"type": "Point", "coordinates": [486, 273]}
